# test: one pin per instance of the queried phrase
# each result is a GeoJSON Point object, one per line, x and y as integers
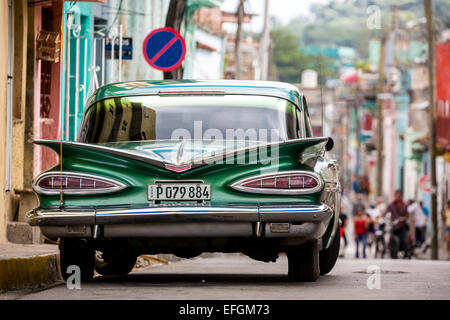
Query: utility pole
{"type": "Point", "coordinates": [237, 44]}
{"type": "Point", "coordinates": [174, 18]}
{"type": "Point", "coordinates": [381, 97]}
{"type": "Point", "coordinates": [428, 4]}
{"type": "Point", "coordinates": [264, 44]}
{"type": "Point", "coordinates": [380, 85]}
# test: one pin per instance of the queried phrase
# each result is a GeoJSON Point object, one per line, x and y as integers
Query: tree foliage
{"type": "Point", "coordinates": [289, 62]}
{"type": "Point", "coordinates": [341, 23]}
{"type": "Point", "coordinates": [344, 23]}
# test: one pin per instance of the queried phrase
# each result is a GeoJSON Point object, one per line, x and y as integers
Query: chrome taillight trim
{"type": "Point", "coordinates": [239, 184]}
{"type": "Point", "coordinates": [35, 185]}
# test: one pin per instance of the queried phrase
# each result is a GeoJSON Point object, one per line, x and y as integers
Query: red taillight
{"type": "Point", "coordinates": [253, 184]}
{"type": "Point", "coordinates": [283, 182]}
{"type": "Point", "coordinates": [292, 182]}
{"type": "Point", "coordinates": [54, 182]}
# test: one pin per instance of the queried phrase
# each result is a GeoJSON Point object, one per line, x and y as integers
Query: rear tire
{"type": "Point", "coordinates": [328, 257]}
{"type": "Point", "coordinates": [394, 244]}
{"type": "Point", "coordinates": [108, 263]}
{"type": "Point", "coordinates": [79, 253]}
{"type": "Point", "coordinates": [303, 262]}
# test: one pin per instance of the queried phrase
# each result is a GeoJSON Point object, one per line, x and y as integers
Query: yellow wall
{"type": "Point", "coordinates": [20, 11]}
{"type": "Point", "coordinates": [3, 85]}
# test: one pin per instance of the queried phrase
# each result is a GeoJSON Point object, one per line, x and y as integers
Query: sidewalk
{"type": "Point", "coordinates": [28, 265]}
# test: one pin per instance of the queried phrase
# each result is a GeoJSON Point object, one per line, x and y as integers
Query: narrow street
{"type": "Point", "coordinates": [135, 134]}
{"type": "Point", "coordinates": [239, 277]}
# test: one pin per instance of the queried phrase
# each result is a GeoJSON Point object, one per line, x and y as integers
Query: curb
{"type": "Point", "coordinates": [33, 271]}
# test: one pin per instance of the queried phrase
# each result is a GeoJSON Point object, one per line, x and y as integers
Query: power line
{"type": "Point", "coordinates": [119, 10]}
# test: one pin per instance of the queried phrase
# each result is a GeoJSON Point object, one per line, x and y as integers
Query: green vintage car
{"type": "Point", "coordinates": [186, 167]}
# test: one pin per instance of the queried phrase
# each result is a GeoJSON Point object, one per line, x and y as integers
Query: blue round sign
{"type": "Point", "coordinates": [164, 49]}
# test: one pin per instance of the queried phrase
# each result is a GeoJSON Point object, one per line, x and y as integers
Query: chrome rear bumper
{"type": "Point", "coordinates": [201, 213]}
{"type": "Point", "coordinates": [308, 221]}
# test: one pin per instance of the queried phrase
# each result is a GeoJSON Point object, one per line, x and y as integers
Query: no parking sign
{"type": "Point", "coordinates": [164, 49]}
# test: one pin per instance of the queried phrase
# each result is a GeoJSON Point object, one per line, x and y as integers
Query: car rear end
{"type": "Point", "coordinates": [131, 184]}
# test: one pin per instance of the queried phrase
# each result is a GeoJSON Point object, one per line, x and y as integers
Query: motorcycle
{"type": "Point", "coordinates": [399, 242]}
{"type": "Point", "coordinates": [380, 243]}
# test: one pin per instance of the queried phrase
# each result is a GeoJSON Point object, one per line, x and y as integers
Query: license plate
{"type": "Point", "coordinates": [179, 191]}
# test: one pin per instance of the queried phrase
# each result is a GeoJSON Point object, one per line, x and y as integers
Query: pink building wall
{"type": "Point", "coordinates": [49, 127]}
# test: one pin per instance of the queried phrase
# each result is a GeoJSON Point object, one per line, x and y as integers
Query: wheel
{"type": "Point", "coordinates": [394, 244]}
{"type": "Point", "coordinates": [114, 263]}
{"type": "Point", "coordinates": [76, 252]}
{"type": "Point", "coordinates": [328, 257]}
{"type": "Point", "coordinates": [303, 262]}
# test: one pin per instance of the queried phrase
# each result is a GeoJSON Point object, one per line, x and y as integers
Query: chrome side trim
{"type": "Point", "coordinates": [35, 184]}
{"type": "Point", "coordinates": [238, 185]}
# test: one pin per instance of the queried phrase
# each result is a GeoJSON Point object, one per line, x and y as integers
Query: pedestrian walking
{"type": "Point", "coordinates": [360, 227]}
{"type": "Point", "coordinates": [419, 222]}
{"type": "Point", "coordinates": [399, 232]}
{"type": "Point", "coordinates": [373, 215]}
{"type": "Point", "coordinates": [343, 217]}
{"type": "Point", "coordinates": [380, 242]}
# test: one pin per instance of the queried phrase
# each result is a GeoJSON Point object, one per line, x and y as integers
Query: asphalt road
{"type": "Point", "coordinates": [239, 277]}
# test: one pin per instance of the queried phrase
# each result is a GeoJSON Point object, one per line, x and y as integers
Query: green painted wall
{"type": "Point", "coordinates": [84, 18]}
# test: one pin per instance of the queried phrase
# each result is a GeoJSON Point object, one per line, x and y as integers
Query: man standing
{"type": "Point", "coordinates": [399, 216]}
{"type": "Point", "coordinates": [420, 222]}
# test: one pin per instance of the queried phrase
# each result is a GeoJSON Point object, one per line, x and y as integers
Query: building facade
{"type": "Point", "coordinates": [56, 53]}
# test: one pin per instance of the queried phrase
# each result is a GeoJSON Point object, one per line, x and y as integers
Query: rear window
{"type": "Point", "coordinates": [223, 117]}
